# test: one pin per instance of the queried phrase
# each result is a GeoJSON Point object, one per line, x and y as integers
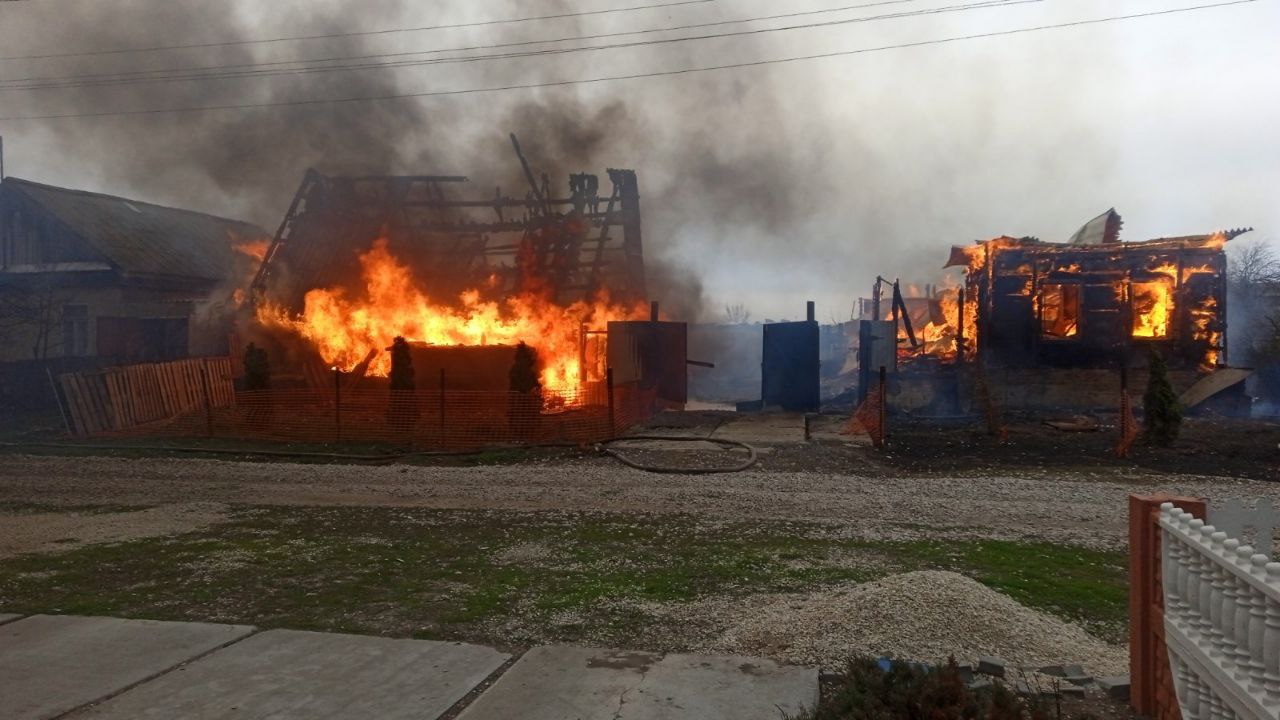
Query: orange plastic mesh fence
{"type": "Point", "coordinates": [454, 419]}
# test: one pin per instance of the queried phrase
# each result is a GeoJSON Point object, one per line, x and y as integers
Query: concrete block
{"type": "Point", "coordinates": [992, 666]}
{"type": "Point", "coordinates": [52, 664]}
{"type": "Point", "coordinates": [1081, 679]}
{"type": "Point", "coordinates": [981, 683]}
{"type": "Point", "coordinates": [557, 682]}
{"type": "Point", "coordinates": [1073, 671]}
{"type": "Point", "coordinates": [287, 674]}
{"type": "Point", "coordinates": [1071, 691]}
{"type": "Point", "coordinates": [1117, 688]}
{"type": "Point", "coordinates": [1053, 671]}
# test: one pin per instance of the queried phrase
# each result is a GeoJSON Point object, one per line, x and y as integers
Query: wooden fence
{"type": "Point", "coordinates": [121, 398]}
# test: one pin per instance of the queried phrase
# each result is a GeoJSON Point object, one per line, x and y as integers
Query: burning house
{"type": "Point", "coordinates": [463, 276]}
{"type": "Point", "coordinates": [1049, 323]}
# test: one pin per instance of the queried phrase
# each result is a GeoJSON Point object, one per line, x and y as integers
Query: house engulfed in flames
{"type": "Point", "coordinates": [1050, 322]}
{"type": "Point", "coordinates": [358, 261]}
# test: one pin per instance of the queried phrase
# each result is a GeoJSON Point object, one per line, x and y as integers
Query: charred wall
{"type": "Point", "coordinates": [1092, 307]}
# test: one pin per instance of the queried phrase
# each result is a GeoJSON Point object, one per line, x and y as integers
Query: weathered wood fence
{"type": "Point", "coordinates": [120, 398]}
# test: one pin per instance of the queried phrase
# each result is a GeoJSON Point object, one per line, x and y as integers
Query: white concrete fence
{"type": "Point", "coordinates": [1222, 613]}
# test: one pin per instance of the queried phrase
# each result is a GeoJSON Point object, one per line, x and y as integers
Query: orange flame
{"type": "Point", "coordinates": [256, 249]}
{"type": "Point", "coordinates": [344, 325]}
{"type": "Point", "coordinates": [1152, 309]}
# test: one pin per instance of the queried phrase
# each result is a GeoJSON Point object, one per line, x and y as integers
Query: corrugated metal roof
{"type": "Point", "coordinates": [142, 238]}
{"type": "Point", "coordinates": [1102, 230]}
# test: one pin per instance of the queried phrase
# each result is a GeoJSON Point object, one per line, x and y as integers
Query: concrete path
{"type": "Point", "coordinates": [106, 668]}
{"type": "Point", "coordinates": [53, 664]}
{"type": "Point", "coordinates": [6, 617]}
{"type": "Point", "coordinates": [562, 682]}
{"type": "Point", "coordinates": [291, 674]}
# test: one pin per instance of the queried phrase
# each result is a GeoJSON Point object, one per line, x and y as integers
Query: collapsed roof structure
{"type": "Point", "coordinates": [564, 244]}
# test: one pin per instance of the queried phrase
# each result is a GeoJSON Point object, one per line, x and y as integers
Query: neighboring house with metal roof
{"type": "Point", "coordinates": [89, 275]}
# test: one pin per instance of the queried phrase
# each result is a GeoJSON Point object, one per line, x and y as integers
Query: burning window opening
{"type": "Point", "coordinates": [1060, 310]}
{"type": "Point", "coordinates": [1152, 308]}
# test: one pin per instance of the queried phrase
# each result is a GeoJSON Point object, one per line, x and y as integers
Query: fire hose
{"type": "Point", "coordinates": [671, 469]}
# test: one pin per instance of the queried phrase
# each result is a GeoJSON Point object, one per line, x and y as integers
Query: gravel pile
{"type": "Point", "coordinates": [922, 616]}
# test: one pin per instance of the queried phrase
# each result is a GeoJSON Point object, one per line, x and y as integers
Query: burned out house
{"type": "Point", "coordinates": [461, 274]}
{"type": "Point", "coordinates": [115, 281]}
{"type": "Point", "coordinates": [1098, 302]}
{"type": "Point", "coordinates": [1049, 324]}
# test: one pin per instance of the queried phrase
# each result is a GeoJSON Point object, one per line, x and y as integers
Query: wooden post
{"type": "Point", "coordinates": [960, 329]}
{"type": "Point", "coordinates": [208, 401]}
{"type": "Point", "coordinates": [54, 386]}
{"type": "Point", "coordinates": [337, 404]}
{"type": "Point", "coordinates": [893, 308]}
{"type": "Point", "coordinates": [608, 381]}
{"type": "Point", "coordinates": [441, 406]}
{"type": "Point", "coordinates": [884, 405]}
{"type": "Point", "coordinates": [1147, 653]}
{"type": "Point", "coordinates": [582, 356]}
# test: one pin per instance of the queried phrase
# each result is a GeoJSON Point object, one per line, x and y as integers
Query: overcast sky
{"type": "Point", "coordinates": [774, 184]}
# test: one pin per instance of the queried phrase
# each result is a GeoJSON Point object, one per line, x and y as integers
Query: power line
{"type": "Point", "coordinates": [363, 33]}
{"type": "Point", "coordinates": [984, 4]}
{"type": "Point", "coordinates": [634, 76]}
{"type": "Point", "coordinates": [375, 56]}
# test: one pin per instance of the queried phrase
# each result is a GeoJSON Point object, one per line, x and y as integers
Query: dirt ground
{"type": "Point", "coordinates": [1082, 507]}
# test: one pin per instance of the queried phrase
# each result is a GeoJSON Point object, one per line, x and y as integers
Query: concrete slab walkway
{"type": "Point", "coordinates": [559, 682]}
{"type": "Point", "coordinates": [53, 664]}
{"type": "Point", "coordinates": [285, 674]}
{"type": "Point", "coordinates": [7, 617]}
{"type": "Point", "coordinates": [106, 668]}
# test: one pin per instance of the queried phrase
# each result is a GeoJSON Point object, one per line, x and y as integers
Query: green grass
{"type": "Point", "coordinates": [505, 576]}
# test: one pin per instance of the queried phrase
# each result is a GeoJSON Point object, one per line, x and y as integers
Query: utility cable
{"type": "Point", "coordinates": [362, 33]}
{"type": "Point", "coordinates": [198, 69]}
{"type": "Point", "coordinates": [985, 4]}
{"type": "Point", "coordinates": [630, 76]}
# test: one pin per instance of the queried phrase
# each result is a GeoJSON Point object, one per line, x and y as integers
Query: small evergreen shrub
{"type": "Point", "coordinates": [1162, 412]}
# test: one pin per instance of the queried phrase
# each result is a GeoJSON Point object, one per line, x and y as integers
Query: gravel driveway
{"type": "Point", "coordinates": [1047, 506]}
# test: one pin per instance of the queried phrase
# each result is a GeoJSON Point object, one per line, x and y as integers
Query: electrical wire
{"type": "Point", "coordinates": [630, 76]}
{"type": "Point", "coordinates": [362, 33]}
{"type": "Point", "coordinates": [143, 74]}
{"type": "Point", "coordinates": [985, 4]}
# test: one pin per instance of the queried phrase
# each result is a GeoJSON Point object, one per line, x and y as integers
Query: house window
{"type": "Point", "coordinates": [75, 330]}
{"type": "Point", "coordinates": [1152, 308]}
{"type": "Point", "coordinates": [1060, 310]}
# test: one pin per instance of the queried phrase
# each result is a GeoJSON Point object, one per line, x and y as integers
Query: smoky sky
{"type": "Point", "coordinates": [766, 186]}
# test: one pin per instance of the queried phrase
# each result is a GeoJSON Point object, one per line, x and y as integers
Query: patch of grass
{"type": "Point", "coordinates": [463, 574]}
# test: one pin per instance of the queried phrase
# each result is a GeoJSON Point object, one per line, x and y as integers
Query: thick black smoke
{"type": "Point", "coordinates": [812, 178]}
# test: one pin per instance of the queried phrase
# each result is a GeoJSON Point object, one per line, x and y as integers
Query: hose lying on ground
{"type": "Point", "coordinates": [748, 462]}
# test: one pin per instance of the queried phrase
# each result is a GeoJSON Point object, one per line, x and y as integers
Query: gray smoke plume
{"type": "Point", "coordinates": [797, 181]}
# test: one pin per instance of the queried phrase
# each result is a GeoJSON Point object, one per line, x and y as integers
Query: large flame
{"type": "Point", "coordinates": [345, 325]}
